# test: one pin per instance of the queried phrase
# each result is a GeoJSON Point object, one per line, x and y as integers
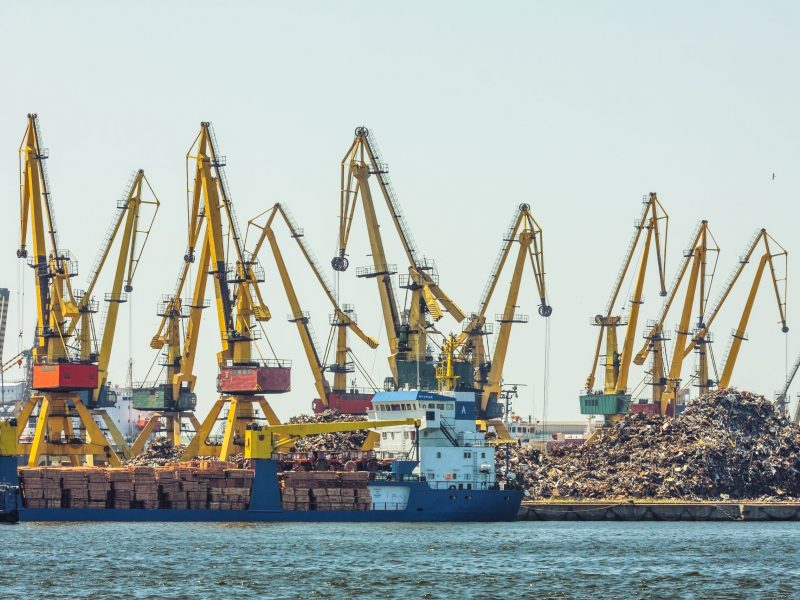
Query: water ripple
{"type": "Point", "coordinates": [469, 561]}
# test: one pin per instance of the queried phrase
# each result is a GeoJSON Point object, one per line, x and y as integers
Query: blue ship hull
{"type": "Point", "coordinates": [424, 505]}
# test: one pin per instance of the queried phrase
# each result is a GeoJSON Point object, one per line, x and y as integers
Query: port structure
{"type": "Point", "coordinates": [243, 376]}
{"type": "Point", "coordinates": [131, 224]}
{"type": "Point", "coordinates": [69, 372]}
{"type": "Point", "coordinates": [342, 320]}
{"type": "Point", "coordinates": [614, 399]}
{"type": "Point", "coordinates": [697, 269]}
{"type": "Point", "coordinates": [782, 397]}
{"type": "Point", "coordinates": [167, 402]}
{"type": "Point", "coordinates": [525, 233]}
{"type": "Point", "coordinates": [774, 256]}
{"type": "Point", "coordinates": [406, 331]}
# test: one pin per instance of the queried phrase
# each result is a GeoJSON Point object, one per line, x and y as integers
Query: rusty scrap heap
{"type": "Point", "coordinates": [727, 444]}
{"type": "Point", "coordinates": [159, 453]}
{"type": "Point", "coordinates": [343, 441]}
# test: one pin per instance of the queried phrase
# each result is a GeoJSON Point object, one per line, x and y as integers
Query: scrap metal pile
{"type": "Point", "coordinates": [343, 441]}
{"type": "Point", "coordinates": [725, 445]}
{"type": "Point", "coordinates": [161, 451]}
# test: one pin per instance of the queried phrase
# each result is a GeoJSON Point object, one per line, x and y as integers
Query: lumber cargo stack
{"type": "Point", "coordinates": [214, 485]}
{"type": "Point", "coordinates": [325, 490]}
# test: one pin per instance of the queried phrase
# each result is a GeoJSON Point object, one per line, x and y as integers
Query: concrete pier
{"type": "Point", "coordinates": [642, 510]}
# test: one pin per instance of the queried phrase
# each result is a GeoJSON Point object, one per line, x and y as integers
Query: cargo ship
{"type": "Point", "coordinates": [428, 464]}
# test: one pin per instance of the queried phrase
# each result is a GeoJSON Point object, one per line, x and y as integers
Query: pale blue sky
{"type": "Point", "coordinates": [579, 108]}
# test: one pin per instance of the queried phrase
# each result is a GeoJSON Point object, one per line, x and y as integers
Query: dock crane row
{"type": "Point", "coordinates": [699, 264]}
{"type": "Point", "coordinates": [243, 377]}
{"type": "Point", "coordinates": [410, 361]}
{"type": "Point", "coordinates": [68, 381]}
{"type": "Point", "coordinates": [774, 256]}
{"type": "Point", "coordinates": [614, 399]}
{"type": "Point", "coordinates": [342, 319]}
{"type": "Point", "coordinates": [488, 371]}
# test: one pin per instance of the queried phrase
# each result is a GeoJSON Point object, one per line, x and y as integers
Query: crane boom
{"type": "Point", "coordinates": [739, 335]}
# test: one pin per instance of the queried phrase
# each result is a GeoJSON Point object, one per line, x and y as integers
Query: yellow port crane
{"type": "Point", "coordinates": [525, 231]}
{"type": "Point", "coordinates": [409, 361]}
{"type": "Point", "coordinates": [172, 401]}
{"type": "Point", "coordinates": [59, 376]}
{"type": "Point", "coordinates": [614, 400]}
{"type": "Point", "coordinates": [342, 318]}
{"type": "Point", "coordinates": [772, 251]}
{"type": "Point", "coordinates": [701, 339]}
{"type": "Point", "coordinates": [243, 377]}
{"type": "Point", "coordinates": [133, 226]}
{"type": "Point", "coordinates": [782, 397]}
{"type": "Point", "coordinates": [695, 263]}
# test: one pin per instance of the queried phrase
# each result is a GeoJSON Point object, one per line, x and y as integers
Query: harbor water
{"type": "Point", "coordinates": [486, 561]}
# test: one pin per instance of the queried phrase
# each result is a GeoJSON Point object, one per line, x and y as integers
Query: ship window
{"type": "Point", "coordinates": [483, 454]}
{"type": "Point", "coordinates": [467, 454]}
{"type": "Point", "coordinates": [438, 455]}
{"type": "Point", "coordinates": [466, 477]}
{"type": "Point", "coordinates": [393, 435]}
{"type": "Point", "coordinates": [468, 497]}
{"type": "Point", "coordinates": [413, 435]}
{"type": "Point", "coordinates": [430, 415]}
{"type": "Point", "coordinates": [450, 406]}
{"type": "Point", "coordinates": [395, 407]}
{"type": "Point", "coordinates": [440, 406]}
{"type": "Point", "coordinates": [383, 435]}
{"type": "Point", "coordinates": [405, 434]}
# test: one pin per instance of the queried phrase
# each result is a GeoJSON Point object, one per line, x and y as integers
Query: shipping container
{"type": "Point", "coordinates": [605, 404]}
{"type": "Point", "coordinates": [64, 377]}
{"type": "Point", "coordinates": [354, 403]}
{"type": "Point", "coordinates": [248, 379]}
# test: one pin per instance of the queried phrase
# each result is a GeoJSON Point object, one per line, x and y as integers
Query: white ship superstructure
{"type": "Point", "coordinates": [452, 454]}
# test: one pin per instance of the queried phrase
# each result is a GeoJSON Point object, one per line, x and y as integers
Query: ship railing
{"type": "Point", "coordinates": [464, 486]}
{"type": "Point", "coordinates": [384, 476]}
{"type": "Point", "coordinates": [389, 505]}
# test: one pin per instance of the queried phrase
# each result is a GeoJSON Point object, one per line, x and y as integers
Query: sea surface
{"type": "Point", "coordinates": [486, 561]}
